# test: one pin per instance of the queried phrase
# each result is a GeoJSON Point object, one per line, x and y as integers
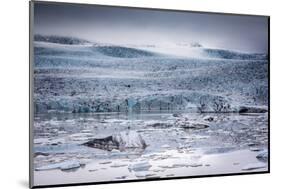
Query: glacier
{"type": "Point", "coordinates": [77, 76]}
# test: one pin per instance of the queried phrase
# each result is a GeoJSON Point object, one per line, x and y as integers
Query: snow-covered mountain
{"type": "Point", "coordinates": [228, 54]}
{"type": "Point", "coordinates": [45, 45]}
{"type": "Point", "coordinates": [60, 39]}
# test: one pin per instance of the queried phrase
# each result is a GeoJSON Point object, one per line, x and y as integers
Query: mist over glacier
{"type": "Point", "coordinates": [120, 26]}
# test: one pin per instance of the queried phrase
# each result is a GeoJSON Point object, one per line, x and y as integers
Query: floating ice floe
{"type": "Point", "coordinates": [85, 161]}
{"type": "Point", "coordinates": [195, 137]}
{"type": "Point", "coordinates": [219, 150]}
{"type": "Point", "coordinates": [115, 151]}
{"type": "Point", "coordinates": [165, 146]}
{"type": "Point", "coordinates": [41, 141]}
{"type": "Point", "coordinates": [141, 166]}
{"type": "Point", "coordinates": [70, 165]}
{"type": "Point", "coordinates": [186, 124]}
{"type": "Point", "coordinates": [144, 174]}
{"type": "Point", "coordinates": [62, 132]}
{"type": "Point", "coordinates": [179, 165]}
{"type": "Point", "coordinates": [122, 177]}
{"type": "Point", "coordinates": [116, 165]}
{"type": "Point", "coordinates": [161, 125]}
{"type": "Point", "coordinates": [263, 156]}
{"type": "Point", "coordinates": [170, 175]}
{"type": "Point", "coordinates": [86, 131]}
{"type": "Point", "coordinates": [195, 165]}
{"type": "Point", "coordinates": [158, 170]}
{"type": "Point", "coordinates": [253, 166]}
{"type": "Point", "coordinates": [57, 141]}
{"type": "Point", "coordinates": [40, 154]}
{"type": "Point", "coordinates": [105, 162]}
{"type": "Point", "coordinates": [67, 165]}
{"type": "Point", "coordinates": [80, 137]}
{"type": "Point", "coordinates": [256, 149]}
{"type": "Point", "coordinates": [177, 115]}
{"type": "Point", "coordinates": [253, 109]}
{"type": "Point", "coordinates": [210, 118]}
{"type": "Point", "coordinates": [93, 170]}
{"type": "Point", "coordinates": [161, 157]}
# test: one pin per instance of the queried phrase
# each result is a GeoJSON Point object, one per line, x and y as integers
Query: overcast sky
{"type": "Point", "coordinates": [139, 26]}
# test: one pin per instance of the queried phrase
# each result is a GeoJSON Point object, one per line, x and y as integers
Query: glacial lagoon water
{"type": "Point", "coordinates": [230, 144]}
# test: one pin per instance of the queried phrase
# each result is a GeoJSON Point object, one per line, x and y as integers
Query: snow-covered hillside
{"type": "Point", "coordinates": [78, 76]}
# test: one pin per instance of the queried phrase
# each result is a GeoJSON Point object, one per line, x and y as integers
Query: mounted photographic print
{"type": "Point", "coordinates": [120, 94]}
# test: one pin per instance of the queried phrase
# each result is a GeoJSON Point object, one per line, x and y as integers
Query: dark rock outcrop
{"type": "Point", "coordinates": [161, 125]}
{"type": "Point", "coordinates": [194, 126]}
{"type": "Point", "coordinates": [263, 157]}
{"type": "Point", "coordinates": [121, 141]}
{"type": "Point", "coordinates": [106, 143]}
{"type": "Point", "coordinates": [245, 109]}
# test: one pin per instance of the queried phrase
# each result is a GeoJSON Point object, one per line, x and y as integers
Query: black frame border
{"type": "Point", "coordinates": [31, 17]}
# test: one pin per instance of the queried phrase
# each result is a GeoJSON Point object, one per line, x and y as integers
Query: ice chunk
{"type": "Point", "coordinates": [129, 139]}
{"type": "Point", "coordinates": [161, 125]}
{"type": "Point", "coordinates": [177, 115]}
{"type": "Point", "coordinates": [41, 140]}
{"type": "Point", "coordinates": [186, 124]}
{"type": "Point", "coordinates": [115, 151]}
{"type": "Point", "coordinates": [106, 162]}
{"type": "Point", "coordinates": [165, 146]}
{"type": "Point", "coordinates": [158, 170]}
{"type": "Point", "coordinates": [122, 177]}
{"type": "Point", "coordinates": [263, 156]}
{"type": "Point", "coordinates": [67, 165]}
{"type": "Point", "coordinates": [210, 118]}
{"type": "Point", "coordinates": [244, 109]}
{"type": "Point", "coordinates": [166, 166]}
{"type": "Point", "coordinates": [253, 166]}
{"type": "Point", "coordinates": [116, 165]}
{"type": "Point", "coordinates": [144, 174]}
{"type": "Point", "coordinates": [179, 165]}
{"type": "Point", "coordinates": [93, 170]}
{"type": "Point", "coordinates": [141, 166]}
{"type": "Point", "coordinates": [70, 165]}
{"type": "Point", "coordinates": [195, 165]}
{"type": "Point", "coordinates": [255, 149]}
{"type": "Point", "coordinates": [170, 175]}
